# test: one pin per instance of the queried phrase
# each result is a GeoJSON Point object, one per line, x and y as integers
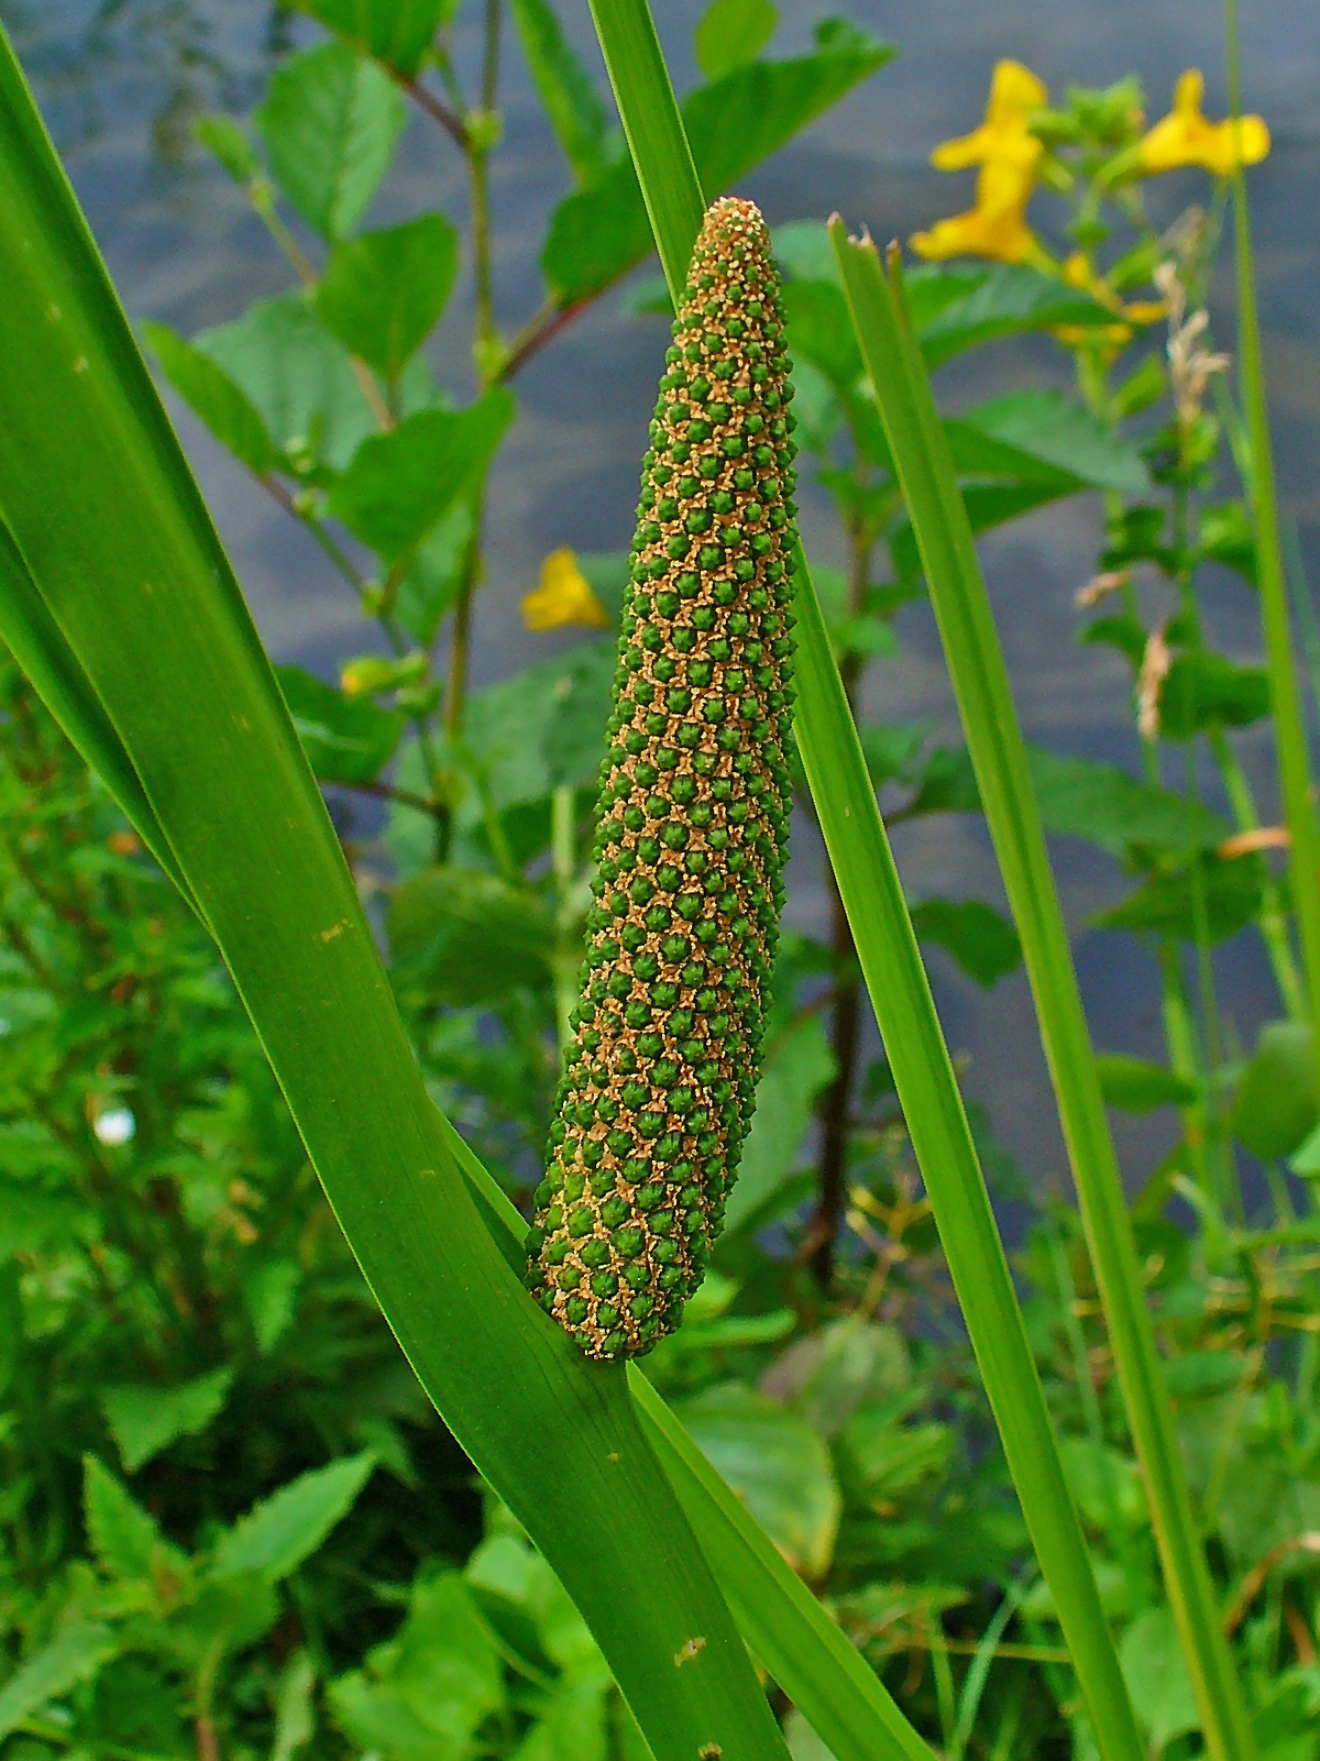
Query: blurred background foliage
{"type": "Point", "coordinates": [231, 1524]}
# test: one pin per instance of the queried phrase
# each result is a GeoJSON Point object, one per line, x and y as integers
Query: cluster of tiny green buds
{"type": "Point", "coordinates": [692, 826]}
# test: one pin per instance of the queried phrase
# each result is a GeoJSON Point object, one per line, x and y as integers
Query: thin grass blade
{"type": "Point", "coordinates": [994, 738]}
{"type": "Point", "coordinates": [1285, 696]}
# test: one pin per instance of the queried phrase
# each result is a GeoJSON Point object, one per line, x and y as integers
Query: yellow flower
{"type": "Point", "coordinates": [1078, 273]}
{"type": "Point", "coordinates": [1187, 137]}
{"type": "Point", "coordinates": [1004, 138]}
{"type": "Point", "coordinates": [980, 232]}
{"type": "Point", "coordinates": [564, 596]}
{"type": "Point", "coordinates": [1008, 155]}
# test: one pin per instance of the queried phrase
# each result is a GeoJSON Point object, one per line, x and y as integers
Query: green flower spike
{"type": "Point", "coordinates": [692, 822]}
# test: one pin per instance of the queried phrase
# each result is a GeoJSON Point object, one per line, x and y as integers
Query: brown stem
{"type": "Point", "coordinates": [404, 797]}
{"type": "Point", "coordinates": [845, 1037]}
{"type": "Point", "coordinates": [542, 328]}
{"type": "Point", "coordinates": [437, 110]}
{"type": "Point", "coordinates": [208, 1749]}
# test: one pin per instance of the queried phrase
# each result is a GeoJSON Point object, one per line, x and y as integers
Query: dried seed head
{"type": "Point", "coordinates": [692, 825]}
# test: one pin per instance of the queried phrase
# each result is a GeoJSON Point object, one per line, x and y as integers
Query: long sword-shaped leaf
{"type": "Point", "coordinates": [1285, 697]}
{"type": "Point", "coordinates": [37, 644]}
{"type": "Point", "coordinates": [994, 739]}
{"type": "Point", "coordinates": [110, 525]}
{"type": "Point", "coordinates": [786, 1627]}
{"type": "Point", "coordinates": [895, 977]}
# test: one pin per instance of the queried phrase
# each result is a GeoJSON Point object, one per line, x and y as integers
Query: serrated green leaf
{"type": "Point", "coordinates": [276, 1535]}
{"type": "Point", "coordinates": [733, 124]}
{"type": "Point", "coordinates": [124, 1538]}
{"type": "Point", "coordinates": [213, 398]}
{"type": "Point", "coordinates": [571, 101]}
{"type": "Point", "coordinates": [383, 292]}
{"type": "Point", "coordinates": [425, 1693]}
{"type": "Point", "coordinates": [74, 1655]}
{"type": "Point", "coordinates": [980, 939]}
{"type": "Point", "coordinates": [330, 121]}
{"type": "Point", "coordinates": [1274, 1108]}
{"type": "Point", "coordinates": [395, 32]}
{"type": "Point", "coordinates": [346, 739]}
{"type": "Point", "coordinates": [1204, 690]}
{"type": "Point", "coordinates": [1136, 1086]}
{"type": "Point", "coordinates": [732, 32]}
{"type": "Point", "coordinates": [469, 937]}
{"type": "Point", "coordinates": [401, 484]}
{"type": "Point", "coordinates": [144, 1418]}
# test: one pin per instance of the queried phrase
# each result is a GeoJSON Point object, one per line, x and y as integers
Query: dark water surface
{"type": "Point", "coordinates": [120, 80]}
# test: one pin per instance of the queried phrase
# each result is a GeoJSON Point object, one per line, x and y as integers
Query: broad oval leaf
{"type": "Point", "coordinates": [330, 121]}
{"type": "Point", "coordinates": [395, 32]}
{"type": "Point", "coordinates": [383, 292]}
{"type": "Point", "coordinates": [1274, 1109]}
{"type": "Point", "coordinates": [776, 1463]}
{"type": "Point", "coordinates": [346, 739]}
{"type": "Point", "coordinates": [468, 937]}
{"type": "Point", "coordinates": [401, 484]}
{"type": "Point", "coordinates": [732, 124]}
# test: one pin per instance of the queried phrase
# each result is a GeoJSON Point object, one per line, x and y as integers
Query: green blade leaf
{"type": "Point", "coordinates": [994, 738]}
{"type": "Point", "coordinates": [276, 1535]}
{"type": "Point", "coordinates": [567, 93]}
{"type": "Point", "coordinates": [103, 509]}
{"type": "Point", "coordinates": [330, 121]}
{"type": "Point", "coordinates": [37, 643]}
{"type": "Point", "coordinates": [383, 292]}
{"type": "Point", "coordinates": [400, 485]}
{"type": "Point", "coordinates": [395, 32]}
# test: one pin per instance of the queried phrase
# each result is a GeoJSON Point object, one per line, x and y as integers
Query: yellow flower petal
{"type": "Point", "coordinates": [1014, 90]}
{"type": "Point", "coordinates": [1187, 137]}
{"type": "Point", "coordinates": [1005, 237]}
{"type": "Point", "coordinates": [563, 596]}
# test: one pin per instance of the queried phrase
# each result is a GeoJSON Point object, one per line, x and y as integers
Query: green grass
{"type": "Point", "coordinates": [994, 737]}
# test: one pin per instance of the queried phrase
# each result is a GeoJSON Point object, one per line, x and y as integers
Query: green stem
{"type": "Point", "coordinates": [1285, 699]}
{"type": "Point", "coordinates": [994, 738]}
